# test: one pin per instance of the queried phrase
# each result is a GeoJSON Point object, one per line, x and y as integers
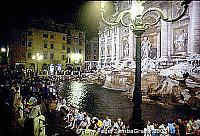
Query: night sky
{"type": "Point", "coordinates": [84, 13]}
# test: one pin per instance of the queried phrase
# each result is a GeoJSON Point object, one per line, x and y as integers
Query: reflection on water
{"type": "Point", "coordinates": [100, 102]}
{"type": "Point", "coordinates": [76, 94]}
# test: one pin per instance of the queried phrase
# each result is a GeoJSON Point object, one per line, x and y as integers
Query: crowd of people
{"type": "Point", "coordinates": [25, 98]}
{"type": "Point", "coordinates": [180, 127]}
{"type": "Point", "coordinates": [28, 98]}
{"type": "Point", "coordinates": [80, 120]}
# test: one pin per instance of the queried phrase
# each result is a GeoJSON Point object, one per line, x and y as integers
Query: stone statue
{"type": "Point", "coordinates": [146, 47]}
{"type": "Point", "coordinates": [126, 48]}
{"type": "Point", "coordinates": [181, 41]}
{"type": "Point", "coordinates": [116, 3]}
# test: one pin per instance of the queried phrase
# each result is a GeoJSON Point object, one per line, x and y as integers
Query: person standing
{"type": "Point", "coordinates": [182, 128]}
{"type": "Point", "coordinates": [171, 129]}
{"type": "Point", "coordinates": [35, 111]}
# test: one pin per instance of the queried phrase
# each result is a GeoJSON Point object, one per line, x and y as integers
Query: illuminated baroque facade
{"type": "Point", "coordinates": [61, 46]}
{"type": "Point", "coordinates": [171, 43]}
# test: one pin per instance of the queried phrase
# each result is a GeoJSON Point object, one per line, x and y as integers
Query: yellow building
{"type": "Point", "coordinates": [55, 49]}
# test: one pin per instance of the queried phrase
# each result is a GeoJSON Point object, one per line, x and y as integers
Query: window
{"type": "Point", "coordinates": [68, 60]}
{"type": "Point", "coordinates": [45, 35]}
{"type": "Point", "coordinates": [94, 51]}
{"type": "Point", "coordinates": [75, 40]}
{"type": "Point", "coordinates": [95, 44]}
{"type": "Point", "coordinates": [23, 34]}
{"type": "Point", "coordinates": [32, 66]}
{"type": "Point", "coordinates": [95, 57]}
{"type": "Point", "coordinates": [88, 51]}
{"type": "Point", "coordinates": [45, 45]}
{"type": "Point", "coordinates": [63, 57]}
{"type": "Point", "coordinates": [29, 33]}
{"type": "Point", "coordinates": [63, 38]}
{"type": "Point", "coordinates": [69, 41]}
{"type": "Point", "coordinates": [45, 55]}
{"type": "Point", "coordinates": [29, 43]}
{"type": "Point", "coordinates": [63, 47]}
{"type": "Point", "coordinates": [52, 36]}
{"type": "Point", "coordinates": [69, 33]}
{"type": "Point", "coordinates": [80, 35]}
{"type": "Point", "coordinates": [80, 42]}
{"type": "Point", "coordinates": [23, 43]}
{"type": "Point", "coordinates": [23, 54]}
{"type": "Point", "coordinates": [29, 55]}
{"type": "Point", "coordinates": [80, 51]}
{"type": "Point", "coordinates": [44, 66]}
{"type": "Point", "coordinates": [75, 50]}
{"type": "Point", "coordinates": [68, 50]}
{"type": "Point", "coordinates": [52, 56]}
{"type": "Point", "coordinates": [52, 46]}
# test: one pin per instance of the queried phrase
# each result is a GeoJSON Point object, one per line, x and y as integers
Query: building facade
{"type": "Point", "coordinates": [170, 42]}
{"type": "Point", "coordinates": [91, 54]}
{"type": "Point", "coordinates": [62, 46]}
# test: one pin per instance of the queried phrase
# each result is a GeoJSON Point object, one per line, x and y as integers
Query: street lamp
{"type": "Point", "coordinates": [3, 55]}
{"type": "Point", "coordinates": [77, 57]}
{"type": "Point", "coordinates": [138, 27]}
{"type": "Point", "coordinates": [3, 49]}
{"type": "Point", "coordinates": [37, 58]}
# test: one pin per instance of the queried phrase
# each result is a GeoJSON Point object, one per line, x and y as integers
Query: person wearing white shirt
{"type": "Point", "coordinates": [35, 111]}
{"type": "Point", "coordinates": [118, 124]}
{"type": "Point", "coordinates": [107, 124]}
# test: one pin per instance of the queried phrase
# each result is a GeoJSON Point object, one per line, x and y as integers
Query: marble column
{"type": "Point", "coordinates": [118, 44]}
{"type": "Point", "coordinates": [113, 45]}
{"type": "Point", "coordinates": [158, 43]}
{"type": "Point", "coordinates": [100, 37]}
{"type": "Point", "coordinates": [131, 45]}
{"type": "Point", "coordinates": [194, 28]}
{"type": "Point", "coordinates": [169, 31]}
{"type": "Point", "coordinates": [164, 33]}
{"type": "Point", "coordinates": [105, 47]}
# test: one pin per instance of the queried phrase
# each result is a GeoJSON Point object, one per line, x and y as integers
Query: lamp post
{"type": "Point", "coordinates": [76, 57]}
{"type": "Point", "coordinates": [3, 50]}
{"type": "Point", "coordinates": [4, 57]}
{"type": "Point", "coordinates": [37, 58]}
{"type": "Point", "coordinates": [77, 60]}
{"type": "Point", "coordinates": [138, 27]}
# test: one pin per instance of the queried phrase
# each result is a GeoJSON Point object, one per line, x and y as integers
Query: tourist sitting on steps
{"type": "Point", "coordinates": [107, 125]}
